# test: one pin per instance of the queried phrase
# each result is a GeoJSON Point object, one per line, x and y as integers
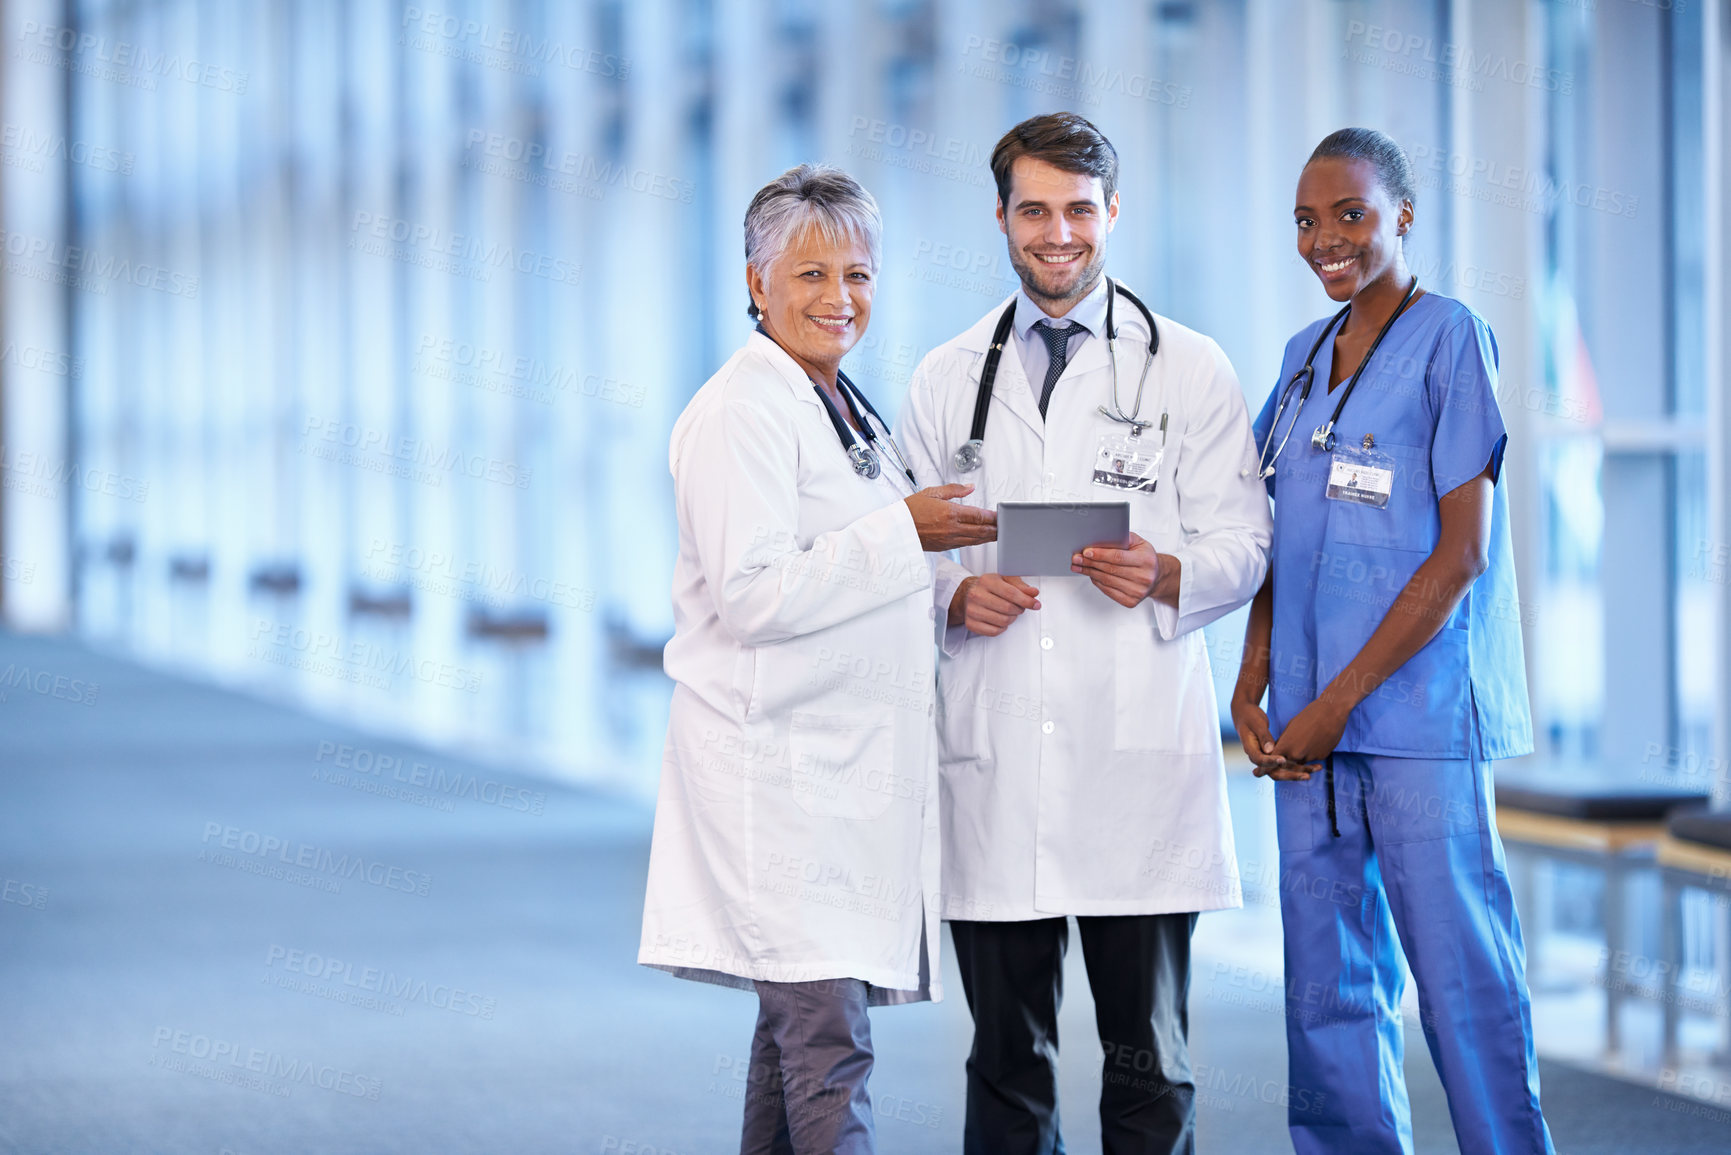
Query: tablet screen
{"type": "Point", "coordinates": [1038, 538]}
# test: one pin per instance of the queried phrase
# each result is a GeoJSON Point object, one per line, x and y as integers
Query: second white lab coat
{"type": "Point", "coordinates": [1080, 753]}
{"type": "Point", "coordinates": [796, 831]}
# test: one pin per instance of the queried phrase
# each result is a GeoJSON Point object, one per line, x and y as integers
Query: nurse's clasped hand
{"type": "Point", "coordinates": [1314, 732]}
{"type": "Point", "coordinates": [1252, 724]}
{"type": "Point", "coordinates": [944, 523]}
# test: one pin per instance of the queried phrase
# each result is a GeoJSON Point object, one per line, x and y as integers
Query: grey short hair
{"type": "Point", "coordinates": [809, 196]}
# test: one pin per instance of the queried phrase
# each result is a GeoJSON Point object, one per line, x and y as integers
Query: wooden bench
{"type": "Point", "coordinates": [1695, 853]}
{"type": "Point", "coordinates": [1582, 815]}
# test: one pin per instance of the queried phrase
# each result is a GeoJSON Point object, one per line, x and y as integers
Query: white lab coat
{"type": "Point", "coordinates": [1080, 754]}
{"type": "Point", "coordinates": [796, 834]}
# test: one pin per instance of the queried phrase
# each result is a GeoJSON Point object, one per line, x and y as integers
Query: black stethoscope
{"type": "Point", "coordinates": [866, 458]}
{"type": "Point", "coordinates": [968, 457]}
{"type": "Point", "coordinates": [1323, 439]}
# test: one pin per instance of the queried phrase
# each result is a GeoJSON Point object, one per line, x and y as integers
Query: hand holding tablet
{"type": "Point", "coordinates": [1038, 538]}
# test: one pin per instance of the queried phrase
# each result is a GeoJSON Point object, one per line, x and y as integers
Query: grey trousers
{"type": "Point", "coordinates": [810, 1058]}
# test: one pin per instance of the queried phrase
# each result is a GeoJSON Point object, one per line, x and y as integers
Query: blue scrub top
{"type": "Point", "coordinates": [1429, 399]}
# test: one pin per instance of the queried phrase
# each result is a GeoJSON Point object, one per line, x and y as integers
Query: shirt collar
{"type": "Point", "coordinates": [1089, 312]}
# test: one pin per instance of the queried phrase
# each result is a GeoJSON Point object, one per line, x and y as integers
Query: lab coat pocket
{"type": "Point", "coordinates": [843, 764]}
{"type": "Point", "coordinates": [1409, 521]}
{"type": "Point", "coordinates": [1163, 697]}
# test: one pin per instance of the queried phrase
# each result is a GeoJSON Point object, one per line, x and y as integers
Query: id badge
{"type": "Point", "coordinates": [1363, 476]}
{"type": "Point", "coordinates": [1128, 463]}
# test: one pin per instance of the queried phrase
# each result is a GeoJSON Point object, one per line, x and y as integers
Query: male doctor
{"type": "Point", "coordinates": [1080, 756]}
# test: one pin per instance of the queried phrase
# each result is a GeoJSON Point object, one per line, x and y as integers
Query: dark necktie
{"type": "Point", "coordinates": [1058, 351]}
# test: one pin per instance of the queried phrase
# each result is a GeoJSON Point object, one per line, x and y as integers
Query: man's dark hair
{"type": "Point", "coordinates": [1393, 169]}
{"type": "Point", "coordinates": [1061, 139]}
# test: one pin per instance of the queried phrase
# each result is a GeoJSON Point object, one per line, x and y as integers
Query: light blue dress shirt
{"type": "Point", "coordinates": [1089, 312]}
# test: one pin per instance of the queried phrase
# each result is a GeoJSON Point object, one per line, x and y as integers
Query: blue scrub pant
{"type": "Point", "coordinates": [1417, 854]}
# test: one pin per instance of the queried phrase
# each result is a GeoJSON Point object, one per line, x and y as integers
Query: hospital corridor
{"type": "Point", "coordinates": [664, 577]}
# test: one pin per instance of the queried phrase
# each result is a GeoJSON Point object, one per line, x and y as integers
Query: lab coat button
{"type": "Point", "coordinates": [1046, 727]}
{"type": "Point", "coordinates": [1045, 643]}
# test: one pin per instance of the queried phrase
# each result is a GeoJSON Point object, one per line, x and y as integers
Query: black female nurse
{"type": "Point", "coordinates": [1387, 639]}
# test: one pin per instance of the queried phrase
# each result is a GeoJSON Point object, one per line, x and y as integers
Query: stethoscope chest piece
{"type": "Point", "coordinates": [1323, 439]}
{"type": "Point", "coordinates": [968, 455]}
{"type": "Point", "coordinates": [865, 462]}
{"type": "Point", "coordinates": [967, 458]}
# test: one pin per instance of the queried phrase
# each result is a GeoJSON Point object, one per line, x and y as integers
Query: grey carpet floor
{"type": "Point", "coordinates": [211, 943]}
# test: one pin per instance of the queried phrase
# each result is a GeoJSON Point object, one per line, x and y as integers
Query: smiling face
{"type": "Point", "coordinates": [1349, 229]}
{"type": "Point", "coordinates": [816, 299]}
{"type": "Point", "coordinates": [1057, 223]}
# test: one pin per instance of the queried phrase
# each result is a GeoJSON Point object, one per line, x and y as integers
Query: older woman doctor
{"type": "Point", "coordinates": [796, 832]}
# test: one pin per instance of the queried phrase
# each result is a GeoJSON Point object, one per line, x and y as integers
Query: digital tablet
{"type": "Point", "coordinates": [1039, 537]}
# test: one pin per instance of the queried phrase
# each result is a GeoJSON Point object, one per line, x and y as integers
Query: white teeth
{"type": "Point", "coordinates": [842, 324]}
{"type": "Point", "coordinates": [1058, 259]}
{"type": "Point", "coordinates": [1336, 266]}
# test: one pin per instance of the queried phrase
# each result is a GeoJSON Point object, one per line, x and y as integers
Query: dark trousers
{"type": "Point", "coordinates": [810, 1058]}
{"type": "Point", "coordinates": [1139, 973]}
